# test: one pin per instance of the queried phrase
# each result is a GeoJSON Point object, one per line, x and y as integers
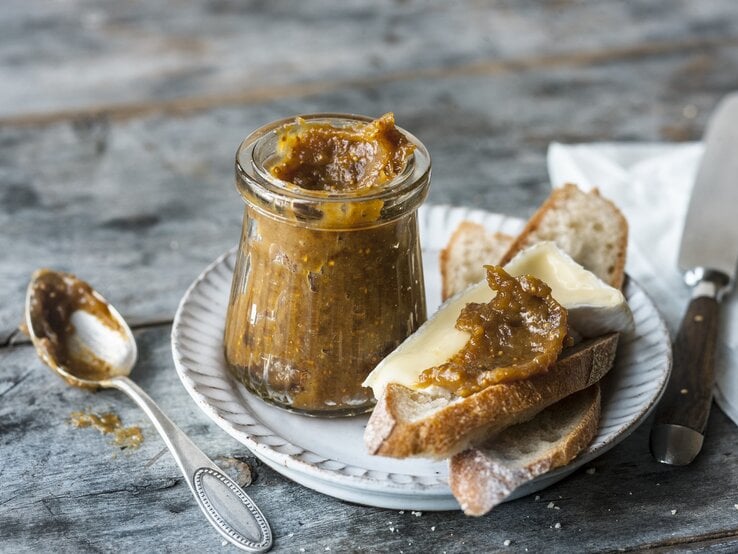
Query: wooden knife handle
{"type": "Point", "coordinates": [688, 395]}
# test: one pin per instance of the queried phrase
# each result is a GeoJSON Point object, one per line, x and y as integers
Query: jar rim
{"type": "Point", "coordinates": [256, 179]}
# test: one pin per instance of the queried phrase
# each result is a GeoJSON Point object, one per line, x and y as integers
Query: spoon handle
{"type": "Point", "coordinates": [226, 506]}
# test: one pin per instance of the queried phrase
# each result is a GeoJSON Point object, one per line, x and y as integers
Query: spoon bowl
{"type": "Point", "coordinates": [76, 332]}
{"type": "Point", "coordinates": [80, 336]}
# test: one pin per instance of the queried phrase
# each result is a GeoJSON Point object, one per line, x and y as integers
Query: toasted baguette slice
{"type": "Point", "coordinates": [589, 228]}
{"type": "Point", "coordinates": [408, 423]}
{"type": "Point", "coordinates": [481, 478]}
{"type": "Point", "coordinates": [411, 423]}
{"type": "Point", "coordinates": [463, 259]}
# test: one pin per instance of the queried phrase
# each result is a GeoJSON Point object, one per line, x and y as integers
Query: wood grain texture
{"type": "Point", "coordinates": [118, 126]}
{"type": "Point", "coordinates": [63, 489]}
{"type": "Point", "coordinates": [140, 206]}
{"type": "Point", "coordinates": [81, 54]}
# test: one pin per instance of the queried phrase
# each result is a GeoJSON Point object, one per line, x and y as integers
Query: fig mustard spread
{"type": "Point", "coordinates": [109, 424]}
{"type": "Point", "coordinates": [516, 335]}
{"type": "Point", "coordinates": [322, 157]}
{"type": "Point", "coordinates": [328, 277]}
{"type": "Point", "coordinates": [56, 297]}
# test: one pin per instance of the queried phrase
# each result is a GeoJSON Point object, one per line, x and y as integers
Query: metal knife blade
{"type": "Point", "coordinates": [708, 255]}
{"type": "Point", "coordinates": [710, 236]}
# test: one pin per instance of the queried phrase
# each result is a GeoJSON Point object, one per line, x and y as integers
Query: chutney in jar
{"type": "Point", "coordinates": [328, 277]}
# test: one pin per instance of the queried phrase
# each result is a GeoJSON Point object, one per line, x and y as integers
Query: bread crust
{"type": "Point", "coordinates": [445, 261]}
{"type": "Point", "coordinates": [552, 202]}
{"type": "Point", "coordinates": [448, 426]}
{"type": "Point", "coordinates": [481, 478]}
{"type": "Point", "coordinates": [445, 256]}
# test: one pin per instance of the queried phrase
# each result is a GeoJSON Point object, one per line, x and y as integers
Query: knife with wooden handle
{"type": "Point", "coordinates": [708, 255]}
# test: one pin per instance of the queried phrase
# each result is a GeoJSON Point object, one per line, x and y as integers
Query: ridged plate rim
{"type": "Point", "coordinates": [198, 359]}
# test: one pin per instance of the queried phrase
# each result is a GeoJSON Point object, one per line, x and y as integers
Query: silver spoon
{"type": "Point", "coordinates": [86, 341]}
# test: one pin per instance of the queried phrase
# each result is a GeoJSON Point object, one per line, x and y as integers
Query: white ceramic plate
{"type": "Point", "coordinates": [328, 455]}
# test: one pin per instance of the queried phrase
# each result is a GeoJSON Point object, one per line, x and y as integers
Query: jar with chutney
{"type": "Point", "coordinates": [329, 276]}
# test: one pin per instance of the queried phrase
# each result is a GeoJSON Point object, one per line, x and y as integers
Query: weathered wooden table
{"type": "Point", "coordinates": [118, 126]}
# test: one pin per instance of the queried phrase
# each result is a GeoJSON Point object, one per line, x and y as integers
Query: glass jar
{"type": "Point", "coordinates": [326, 283]}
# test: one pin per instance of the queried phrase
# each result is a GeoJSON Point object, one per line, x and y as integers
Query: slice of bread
{"type": "Point", "coordinates": [589, 228]}
{"type": "Point", "coordinates": [463, 259]}
{"type": "Point", "coordinates": [407, 422]}
{"type": "Point", "coordinates": [481, 478]}
{"type": "Point", "coordinates": [416, 423]}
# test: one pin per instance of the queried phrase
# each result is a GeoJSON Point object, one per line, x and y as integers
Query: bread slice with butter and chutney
{"type": "Point", "coordinates": [412, 421]}
{"type": "Point", "coordinates": [408, 422]}
{"type": "Point", "coordinates": [434, 423]}
{"type": "Point", "coordinates": [483, 476]}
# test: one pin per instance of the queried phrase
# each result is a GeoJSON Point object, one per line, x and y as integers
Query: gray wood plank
{"type": "Point", "coordinates": [727, 544]}
{"type": "Point", "coordinates": [129, 184]}
{"type": "Point", "coordinates": [78, 54]}
{"type": "Point", "coordinates": [139, 207]}
{"type": "Point", "coordinates": [69, 490]}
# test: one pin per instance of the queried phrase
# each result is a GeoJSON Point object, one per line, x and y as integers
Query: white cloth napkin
{"type": "Point", "coordinates": [652, 183]}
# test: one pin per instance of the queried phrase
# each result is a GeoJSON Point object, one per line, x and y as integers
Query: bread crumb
{"type": "Point", "coordinates": [402, 511]}
{"type": "Point", "coordinates": [327, 547]}
{"type": "Point", "coordinates": [556, 508]}
{"type": "Point", "coordinates": [684, 391]}
{"type": "Point", "coordinates": [291, 535]}
{"type": "Point", "coordinates": [302, 550]}
{"type": "Point", "coordinates": [735, 506]}
{"type": "Point", "coordinates": [392, 529]}
{"type": "Point", "coordinates": [507, 542]}
{"type": "Point", "coordinates": [557, 526]}
{"type": "Point", "coordinates": [591, 471]}
{"type": "Point", "coordinates": [433, 528]}
{"type": "Point", "coordinates": [673, 512]}
{"type": "Point", "coordinates": [417, 514]}
{"type": "Point", "coordinates": [550, 505]}
{"type": "Point", "coordinates": [223, 543]}
{"type": "Point", "coordinates": [537, 498]}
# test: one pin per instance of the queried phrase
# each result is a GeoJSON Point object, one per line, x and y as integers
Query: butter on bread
{"type": "Point", "coordinates": [594, 307]}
